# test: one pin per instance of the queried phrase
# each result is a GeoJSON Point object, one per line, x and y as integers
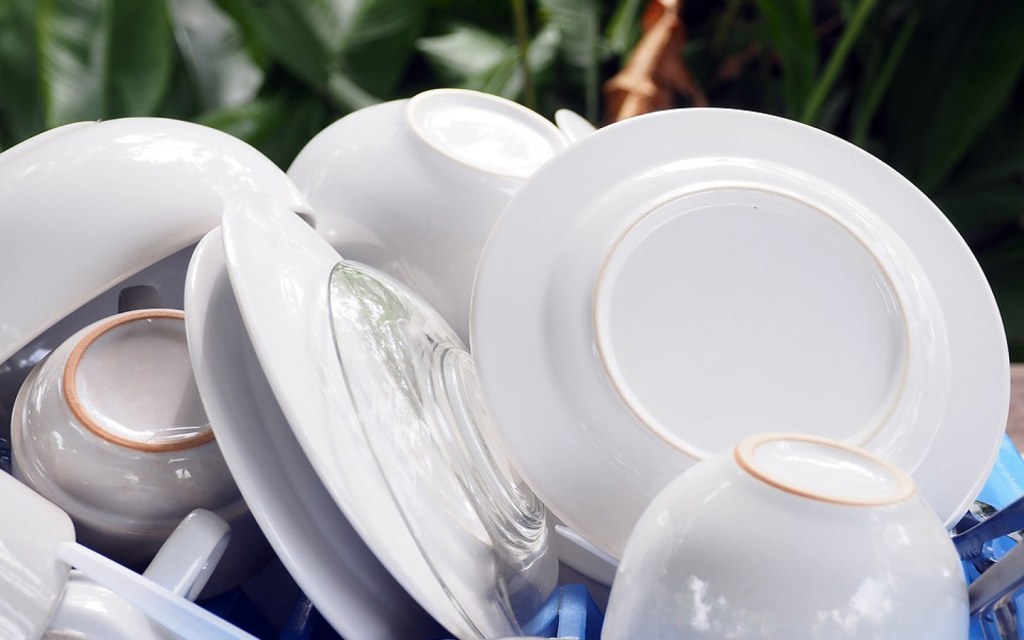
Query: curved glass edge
{"type": "Point", "coordinates": [482, 531]}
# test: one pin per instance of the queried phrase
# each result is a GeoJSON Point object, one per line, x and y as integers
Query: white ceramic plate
{"type": "Point", "coordinates": [323, 553]}
{"type": "Point", "coordinates": [280, 270]}
{"type": "Point", "coordinates": [675, 282]}
{"type": "Point", "coordinates": [87, 205]}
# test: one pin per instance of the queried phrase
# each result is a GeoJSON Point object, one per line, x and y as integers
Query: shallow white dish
{"type": "Point", "coordinates": [87, 205]}
{"type": "Point", "coordinates": [675, 282]}
{"type": "Point", "coordinates": [280, 271]}
{"type": "Point", "coordinates": [325, 556]}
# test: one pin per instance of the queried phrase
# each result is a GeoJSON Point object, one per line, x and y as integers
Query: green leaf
{"type": "Point", "coordinates": [73, 39]}
{"type": "Point", "coordinates": [837, 60]}
{"type": "Point", "coordinates": [997, 156]}
{"type": "Point", "coordinates": [579, 23]}
{"type": "Point", "coordinates": [974, 209]}
{"type": "Point", "coordinates": [102, 58]}
{"type": "Point", "coordinates": [20, 104]}
{"type": "Point", "coordinates": [624, 30]}
{"type": "Point", "coordinates": [140, 58]}
{"type": "Point", "coordinates": [367, 41]}
{"type": "Point", "coordinates": [278, 125]}
{"type": "Point", "coordinates": [470, 58]}
{"type": "Point", "coordinates": [464, 54]}
{"type": "Point", "coordinates": [875, 86]}
{"type": "Point", "coordinates": [212, 46]}
{"type": "Point", "coordinates": [959, 73]}
{"type": "Point", "coordinates": [300, 36]}
{"type": "Point", "coordinates": [378, 41]}
{"type": "Point", "coordinates": [789, 27]}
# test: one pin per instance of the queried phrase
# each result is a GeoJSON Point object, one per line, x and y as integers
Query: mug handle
{"type": "Point", "coordinates": [572, 125]}
{"type": "Point", "coordinates": [186, 560]}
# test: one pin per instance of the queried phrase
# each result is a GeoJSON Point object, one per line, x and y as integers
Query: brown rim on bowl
{"type": "Point", "coordinates": [82, 414]}
{"type": "Point", "coordinates": [744, 455]}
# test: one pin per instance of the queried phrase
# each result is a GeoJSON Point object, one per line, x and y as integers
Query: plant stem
{"type": "Point", "coordinates": [874, 97]}
{"type": "Point", "coordinates": [836, 61]}
{"type": "Point", "coordinates": [522, 23]}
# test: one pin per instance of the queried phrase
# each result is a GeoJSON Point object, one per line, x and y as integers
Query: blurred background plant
{"type": "Point", "coordinates": [932, 87]}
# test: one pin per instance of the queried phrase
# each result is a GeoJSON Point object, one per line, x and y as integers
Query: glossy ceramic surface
{"type": "Point", "coordinates": [311, 536]}
{"type": "Point", "coordinates": [280, 270]}
{"type": "Point", "coordinates": [180, 616]}
{"type": "Point", "coordinates": [123, 194]}
{"type": "Point", "coordinates": [157, 286]}
{"type": "Point", "coordinates": [110, 427]}
{"type": "Point", "coordinates": [189, 556]}
{"type": "Point", "coordinates": [788, 536]}
{"type": "Point", "coordinates": [88, 610]}
{"type": "Point", "coordinates": [413, 187]}
{"type": "Point", "coordinates": [572, 125]}
{"type": "Point", "coordinates": [183, 564]}
{"type": "Point", "coordinates": [32, 578]}
{"type": "Point", "coordinates": [675, 282]}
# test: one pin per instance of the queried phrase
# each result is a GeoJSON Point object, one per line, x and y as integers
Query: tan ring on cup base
{"type": "Point", "coordinates": [78, 409]}
{"type": "Point", "coordinates": [744, 456]}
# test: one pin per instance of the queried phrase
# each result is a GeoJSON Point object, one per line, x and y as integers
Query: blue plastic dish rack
{"type": "Point", "coordinates": [571, 612]}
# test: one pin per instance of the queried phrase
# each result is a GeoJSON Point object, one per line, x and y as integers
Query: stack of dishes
{"type": "Point", "coordinates": [637, 299]}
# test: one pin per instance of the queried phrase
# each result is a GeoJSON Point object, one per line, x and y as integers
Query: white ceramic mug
{"type": "Point", "coordinates": [110, 427]}
{"type": "Point", "coordinates": [183, 565]}
{"type": "Point", "coordinates": [789, 536]}
{"type": "Point", "coordinates": [412, 187]}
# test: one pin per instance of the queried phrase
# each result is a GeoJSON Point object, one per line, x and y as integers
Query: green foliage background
{"type": "Point", "coordinates": [932, 87]}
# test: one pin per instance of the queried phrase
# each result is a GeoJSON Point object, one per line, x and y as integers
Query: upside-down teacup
{"type": "Point", "coordinates": [412, 187]}
{"type": "Point", "coordinates": [110, 427]}
{"type": "Point", "coordinates": [789, 536]}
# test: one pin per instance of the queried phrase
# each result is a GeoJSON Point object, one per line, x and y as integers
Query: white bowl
{"type": "Point", "coordinates": [412, 187]}
{"type": "Point", "coordinates": [111, 428]}
{"type": "Point", "coordinates": [89, 204]}
{"type": "Point", "coordinates": [789, 536]}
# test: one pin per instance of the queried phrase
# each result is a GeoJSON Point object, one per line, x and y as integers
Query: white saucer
{"type": "Point", "coordinates": [448, 559]}
{"type": "Point", "coordinates": [675, 282]}
{"type": "Point", "coordinates": [325, 556]}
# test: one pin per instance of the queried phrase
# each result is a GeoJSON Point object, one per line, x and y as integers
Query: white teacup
{"type": "Point", "coordinates": [110, 427]}
{"type": "Point", "coordinates": [412, 187]}
{"type": "Point", "coordinates": [789, 536]}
